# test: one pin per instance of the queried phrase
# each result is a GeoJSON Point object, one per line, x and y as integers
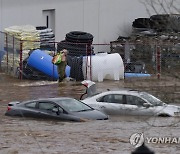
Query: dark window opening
{"type": "Point", "coordinates": [47, 21]}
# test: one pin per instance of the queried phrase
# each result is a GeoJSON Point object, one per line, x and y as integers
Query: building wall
{"type": "Point", "coordinates": [105, 19]}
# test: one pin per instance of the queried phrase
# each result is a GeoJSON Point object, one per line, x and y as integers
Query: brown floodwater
{"type": "Point", "coordinates": [35, 136]}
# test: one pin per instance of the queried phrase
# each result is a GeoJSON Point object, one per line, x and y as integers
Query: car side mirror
{"type": "Point", "coordinates": [55, 110]}
{"type": "Point", "coordinates": [146, 105]}
{"type": "Point", "coordinates": [60, 110]}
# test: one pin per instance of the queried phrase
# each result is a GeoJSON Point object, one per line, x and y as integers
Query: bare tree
{"type": "Point", "coordinates": [161, 6]}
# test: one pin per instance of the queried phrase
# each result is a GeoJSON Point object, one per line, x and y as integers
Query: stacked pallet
{"type": "Point", "coordinates": [47, 38]}
{"type": "Point", "coordinates": [26, 33]}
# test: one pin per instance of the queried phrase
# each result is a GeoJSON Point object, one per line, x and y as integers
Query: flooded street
{"type": "Point", "coordinates": [32, 136]}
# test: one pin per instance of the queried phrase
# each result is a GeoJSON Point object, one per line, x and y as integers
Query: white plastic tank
{"type": "Point", "coordinates": [103, 66]}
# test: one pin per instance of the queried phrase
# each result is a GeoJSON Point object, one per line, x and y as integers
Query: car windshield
{"type": "Point", "coordinates": [151, 99]}
{"type": "Point", "coordinates": [73, 105]}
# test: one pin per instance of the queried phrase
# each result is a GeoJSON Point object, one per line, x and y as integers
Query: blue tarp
{"type": "Point", "coordinates": [130, 75]}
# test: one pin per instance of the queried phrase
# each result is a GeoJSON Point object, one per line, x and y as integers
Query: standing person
{"type": "Point", "coordinates": [61, 68]}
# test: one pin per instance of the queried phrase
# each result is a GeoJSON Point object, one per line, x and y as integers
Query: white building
{"type": "Point", "coordinates": [105, 19]}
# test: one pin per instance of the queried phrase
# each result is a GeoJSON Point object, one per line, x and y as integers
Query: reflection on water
{"type": "Point", "coordinates": [32, 136]}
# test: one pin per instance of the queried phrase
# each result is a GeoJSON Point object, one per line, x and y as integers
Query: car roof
{"type": "Point", "coordinates": [48, 99]}
{"type": "Point", "coordinates": [122, 91]}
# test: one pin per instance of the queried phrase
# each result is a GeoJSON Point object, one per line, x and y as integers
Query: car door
{"type": "Point", "coordinates": [135, 106]}
{"type": "Point", "coordinates": [30, 109]}
{"type": "Point", "coordinates": [45, 109]}
{"type": "Point", "coordinates": [112, 104]}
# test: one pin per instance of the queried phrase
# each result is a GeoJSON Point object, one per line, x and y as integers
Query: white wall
{"type": "Point", "coordinates": [105, 19]}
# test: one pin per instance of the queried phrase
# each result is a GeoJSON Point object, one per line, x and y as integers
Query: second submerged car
{"type": "Point", "coordinates": [62, 108]}
{"type": "Point", "coordinates": [131, 102]}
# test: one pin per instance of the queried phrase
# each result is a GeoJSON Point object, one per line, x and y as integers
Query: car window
{"type": "Point", "coordinates": [106, 98]}
{"type": "Point", "coordinates": [73, 105]}
{"type": "Point", "coordinates": [151, 99]}
{"type": "Point", "coordinates": [134, 100]}
{"type": "Point", "coordinates": [31, 105]}
{"type": "Point", "coordinates": [112, 98]}
{"type": "Point", "coordinates": [118, 99]}
{"type": "Point", "coordinates": [46, 105]}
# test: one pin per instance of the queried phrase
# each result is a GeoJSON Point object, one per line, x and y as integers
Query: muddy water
{"type": "Point", "coordinates": [32, 136]}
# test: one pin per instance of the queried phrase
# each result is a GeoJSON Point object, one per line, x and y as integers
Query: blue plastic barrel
{"type": "Point", "coordinates": [42, 62]}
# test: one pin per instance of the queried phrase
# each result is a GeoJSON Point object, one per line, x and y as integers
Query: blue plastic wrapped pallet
{"type": "Point", "coordinates": [42, 62]}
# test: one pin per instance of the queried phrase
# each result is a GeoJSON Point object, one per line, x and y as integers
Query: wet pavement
{"type": "Point", "coordinates": [32, 136]}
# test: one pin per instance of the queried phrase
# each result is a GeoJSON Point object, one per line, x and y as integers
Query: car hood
{"type": "Point", "coordinates": [171, 109]}
{"type": "Point", "coordinates": [91, 115]}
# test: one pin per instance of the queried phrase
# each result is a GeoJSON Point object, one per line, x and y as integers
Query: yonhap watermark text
{"type": "Point", "coordinates": [163, 140]}
{"type": "Point", "coordinates": [137, 139]}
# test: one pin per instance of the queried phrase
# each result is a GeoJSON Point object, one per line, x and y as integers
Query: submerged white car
{"type": "Point", "coordinates": [131, 102]}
